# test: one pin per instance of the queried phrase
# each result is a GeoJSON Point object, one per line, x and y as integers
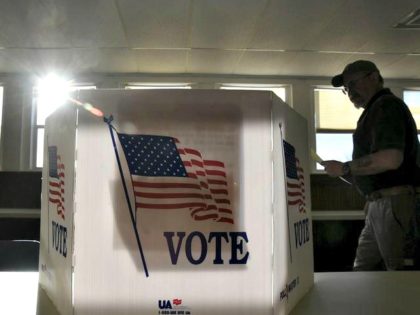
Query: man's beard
{"type": "Point", "coordinates": [357, 100]}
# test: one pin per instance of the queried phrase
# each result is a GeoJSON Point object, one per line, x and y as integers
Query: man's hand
{"type": "Point", "coordinates": [333, 168]}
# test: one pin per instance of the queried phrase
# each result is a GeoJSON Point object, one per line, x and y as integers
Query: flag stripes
{"type": "Point", "coordinates": [295, 178]}
{"type": "Point", "coordinates": [56, 181]}
{"type": "Point", "coordinates": [167, 176]}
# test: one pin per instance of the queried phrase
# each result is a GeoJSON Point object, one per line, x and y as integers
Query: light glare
{"type": "Point", "coordinates": [52, 92]}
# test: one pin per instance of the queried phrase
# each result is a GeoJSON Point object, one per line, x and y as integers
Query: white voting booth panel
{"type": "Point", "coordinates": [187, 202]}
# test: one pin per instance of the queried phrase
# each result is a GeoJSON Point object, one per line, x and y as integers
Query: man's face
{"type": "Point", "coordinates": [359, 87]}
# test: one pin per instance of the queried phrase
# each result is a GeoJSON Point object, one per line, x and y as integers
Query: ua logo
{"type": "Point", "coordinates": [165, 304]}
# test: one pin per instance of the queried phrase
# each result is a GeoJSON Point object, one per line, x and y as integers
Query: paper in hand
{"type": "Point", "coordinates": [316, 157]}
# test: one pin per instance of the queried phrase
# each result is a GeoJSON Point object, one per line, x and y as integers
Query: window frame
{"type": "Point", "coordinates": [36, 127]}
{"type": "Point", "coordinates": [157, 85]}
{"type": "Point", "coordinates": [1, 109]}
{"type": "Point", "coordinates": [411, 89]}
{"type": "Point", "coordinates": [316, 131]}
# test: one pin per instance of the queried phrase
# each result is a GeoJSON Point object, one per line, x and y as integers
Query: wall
{"type": "Point", "coordinates": [16, 119]}
{"type": "Point", "coordinates": [15, 142]}
{"type": "Point", "coordinates": [19, 220]}
{"type": "Point", "coordinates": [338, 218]}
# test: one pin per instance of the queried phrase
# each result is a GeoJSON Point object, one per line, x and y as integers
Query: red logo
{"type": "Point", "coordinates": [176, 301]}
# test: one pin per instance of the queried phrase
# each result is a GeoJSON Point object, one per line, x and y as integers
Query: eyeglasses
{"type": "Point", "coordinates": [353, 83]}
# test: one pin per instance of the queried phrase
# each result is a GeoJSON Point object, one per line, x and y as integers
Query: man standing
{"type": "Point", "coordinates": [383, 168]}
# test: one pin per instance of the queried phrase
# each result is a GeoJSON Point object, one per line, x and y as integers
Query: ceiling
{"type": "Point", "coordinates": [224, 37]}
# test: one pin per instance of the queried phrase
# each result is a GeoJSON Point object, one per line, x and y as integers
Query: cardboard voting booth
{"type": "Point", "coordinates": [179, 202]}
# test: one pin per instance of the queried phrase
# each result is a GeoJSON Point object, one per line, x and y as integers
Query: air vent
{"type": "Point", "coordinates": [410, 22]}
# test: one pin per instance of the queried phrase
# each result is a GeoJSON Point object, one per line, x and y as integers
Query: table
{"type": "Point", "coordinates": [334, 293]}
{"type": "Point", "coordinates": [18, 293]}
{"type": "Point", "coordinates": [362, 293]}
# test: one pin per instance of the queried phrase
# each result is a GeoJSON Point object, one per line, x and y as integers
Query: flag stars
{"type": "Point", "coordinates": [156, 155]}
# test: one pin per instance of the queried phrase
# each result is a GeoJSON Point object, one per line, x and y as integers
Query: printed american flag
{"type": "Point", "coordinates": [166, 175]}
{"type": "Point", "coordinates": [295, 178]}
{"type": "Point", "coordinates": [56, 180]}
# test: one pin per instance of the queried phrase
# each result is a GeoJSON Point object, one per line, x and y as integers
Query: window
{"type": "Point", "coordinates": [412, 99]}
{"type": "Point", "coordinates": [335, 119]}
{"type": "Point", "coordinates": [147, 86]}
{"type": "Point", "coordinates": [48, 95]}
{"type": "Point", "coordinates": [279, 90]}
{"type": "Point", "coordinates": [1, 107]}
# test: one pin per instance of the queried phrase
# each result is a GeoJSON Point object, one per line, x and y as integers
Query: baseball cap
{"type": "Point", "coordinates": [354, 67]}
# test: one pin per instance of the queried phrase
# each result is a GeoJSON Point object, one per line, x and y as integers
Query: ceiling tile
{"type": "Point", "coordinates": [291, 63]}
{"type": "Point", "coordinates": [212, 61]}
{"type": "Point", "coordinates": [206, 36]}
{"type": "Point", "coordinates": [94, 24]}
{"type": "Point", "coordinates": [60, 24]}
{"type": "Point", "coordinates": [161, 61]}
{"type": "Point", "coordinates": [289, 24]}
{"type": "Point", "coordinates": [107, 60]}
{"type": "Point", "coordinates": [68, 61]}
{"type": "Point", "coordinates": [225, 24]}
{"type": "Point", "coordinates": [156, 23]}
{"type": "Point", "coordinates": [33, 24]}
{"type": "Point", "coordinates": [406, 67]}
{"type": "Point", "coordinates": [358, 26]}
{"type": "Point", "coordinates": [394, 41]}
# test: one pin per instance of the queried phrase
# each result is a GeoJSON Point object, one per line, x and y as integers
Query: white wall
{"type": "Point", "coordinates": [16, 133]}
